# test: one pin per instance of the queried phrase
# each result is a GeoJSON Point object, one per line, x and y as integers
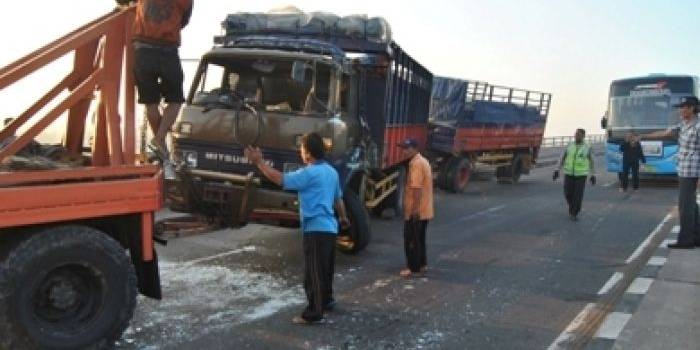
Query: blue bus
{"type": "Point", "coordinates": [642, 105]}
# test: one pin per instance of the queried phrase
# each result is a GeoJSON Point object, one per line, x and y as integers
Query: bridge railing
{"type": "Point", "coordinates": [561, 141]}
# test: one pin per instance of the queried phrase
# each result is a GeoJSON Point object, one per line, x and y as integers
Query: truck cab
{"type": "Point", "coordinates": [268, 84]}
{"type": "Point", "coordinates": [268, 98]}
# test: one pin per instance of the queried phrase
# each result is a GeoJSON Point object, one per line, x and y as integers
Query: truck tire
{"type": "Point", "coordinates": [357, 236]}
{"type": "Point", "coordinates": [67, 287]}
{"type": "Point", "coordinates": [517, 168]}
{"type": "Point", "coordinates": [458, 175]}
{"type": "Point", "coordinates": [510, 174]}
{"type": "Point", "coordinates": [5, 341]}
{"type": "Point", "coordinates": [443, 170]}
{"type": "Point", "coordinates": [503, 174]}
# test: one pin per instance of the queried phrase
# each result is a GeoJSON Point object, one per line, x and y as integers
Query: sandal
{"type": "Point", "coordinates": [303, 321]}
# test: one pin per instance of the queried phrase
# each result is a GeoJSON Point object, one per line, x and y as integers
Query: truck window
{"type": "Point", "coordinates": [212, 79]}
{"type": "Point", "coordinates": [268, 83]}
{"type": "Point", "coordinates": [281, 94]}
{"type": "Point", "coordinates": [347, 94]}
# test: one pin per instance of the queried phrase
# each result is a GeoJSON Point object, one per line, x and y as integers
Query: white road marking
{"type": "Point", "coordinates": [474, 216]}
{"type": "Point", "coordinates": [612, 282]}
{"type": "Point", "coordinates": [657, 261]}
{"type": "Point", "coordinates": [565, 337]}
{"type": "Point", "coordinates": [676, 229]}
{"type": "Point", "coordinates": [648, 240]}
{"type": "Point", "coordinates": [613, 325]}
{"type": "Point", "coordinates": [640, 285]}
{"type": "Point", "coordinates": [602, 218]}
{"type": "Point", "coordinates": [217, 256]}
{"type": "Point", "coordinates": [667, 242]}
{"type": "Point", "coordinates": [481, 213]}
{"type": "Point", "coordinates": [609, 184]}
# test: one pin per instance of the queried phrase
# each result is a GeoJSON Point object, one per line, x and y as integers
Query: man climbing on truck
{"type": "Point", "coordinates": [319, 193]}
{"type": "Point", "coordinates": [157, 68]}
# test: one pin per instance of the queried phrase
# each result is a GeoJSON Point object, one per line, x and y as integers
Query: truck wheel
{"type": "Point", "coordinates": [517, 168]}
{"type": "Point", "coordinates": [6, 342]}
{"type": "Point", "coordinates": [509, 174]}
{"type": "Point", "coordinates": [444, 169]}
{"type": "Point", "coordinates": [357, 236]}
{"type": "Point", "coordinates": [503, 174]}
{"type": "Point", "coordinates": [69, 287]}
{"type": "Point", "coordinates": [458, 175]}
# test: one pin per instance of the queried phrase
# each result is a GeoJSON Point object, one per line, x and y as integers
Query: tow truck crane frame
{"type": "Point", "coordinates": [75, 244]}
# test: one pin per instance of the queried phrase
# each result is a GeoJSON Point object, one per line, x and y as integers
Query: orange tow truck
{"type": "Point", "coordinates": [76, 243]}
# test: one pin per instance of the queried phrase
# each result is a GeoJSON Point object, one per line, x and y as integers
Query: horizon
{"type": "Point", "coordinates": [570, 49]}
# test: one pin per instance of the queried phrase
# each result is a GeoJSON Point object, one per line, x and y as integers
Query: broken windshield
{"type": "Point", "coordinates": [284, 86]}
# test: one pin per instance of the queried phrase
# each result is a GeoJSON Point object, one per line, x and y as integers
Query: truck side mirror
{"type": "Point", "coordinates": [604, 122]}
{"type": "Point", "coordinates": [300, 72]}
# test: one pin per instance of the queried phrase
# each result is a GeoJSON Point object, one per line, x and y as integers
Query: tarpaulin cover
{"type": "Point", "coordinates": [294, 22]}
{"type": "Point", "coordinates": [499, 113]}
{"type": "Point", "coordinates": [448, 99]}
{"type": "Point", "coordinates": [449, 103]}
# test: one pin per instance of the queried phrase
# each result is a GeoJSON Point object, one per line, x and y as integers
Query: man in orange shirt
{"type": "Point", "coordinates": [418, 207]}
{"type": "Point", "coordinates": [157, 67]}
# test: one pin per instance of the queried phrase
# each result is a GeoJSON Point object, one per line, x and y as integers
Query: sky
{"type": "Point", "coordinates": [572, 49]}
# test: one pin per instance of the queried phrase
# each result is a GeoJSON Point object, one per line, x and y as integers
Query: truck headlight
{"type": "Point", "coordinates": [190, 159]}
{"type": "Point", "coordinates": [328, 143]}
{"type": "Point", "coordinates": [185, 128]}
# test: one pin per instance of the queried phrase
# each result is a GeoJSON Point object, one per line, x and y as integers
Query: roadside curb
{"type": "Point", "coordinates": [599, 323]}
{"type": "Point", "coordinates": [616, 321]}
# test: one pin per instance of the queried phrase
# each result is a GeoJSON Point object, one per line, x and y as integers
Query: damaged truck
{"type": "Point", "coordinates": [269, 79]}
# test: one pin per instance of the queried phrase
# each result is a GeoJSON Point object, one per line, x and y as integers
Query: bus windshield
{"type": "Point", "coordinates": [643, 112]}
{"type": "Point", "coordinates": [647, 103]}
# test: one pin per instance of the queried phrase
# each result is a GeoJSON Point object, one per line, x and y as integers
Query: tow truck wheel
{"type": "Point", "coordinates": [357, 236]}
{"type": "Point", "coordinates": [458, 175]}
{"type": "Point", "coordinates": [68, 287]}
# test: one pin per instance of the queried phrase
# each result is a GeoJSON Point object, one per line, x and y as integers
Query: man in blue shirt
{"type": "Point", "coordinates": [319, 193]}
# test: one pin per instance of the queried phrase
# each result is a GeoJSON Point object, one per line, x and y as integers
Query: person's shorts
{"type": "Point", "coordinates": [158, 74]}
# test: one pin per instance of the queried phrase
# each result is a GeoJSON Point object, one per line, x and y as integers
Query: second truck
{"type": "Point", "coordinates": [476, 124]}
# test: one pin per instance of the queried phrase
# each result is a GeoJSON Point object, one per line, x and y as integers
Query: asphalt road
{"type": "Point", "coordinates": [508, 270]}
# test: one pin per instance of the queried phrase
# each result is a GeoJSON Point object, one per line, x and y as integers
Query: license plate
{"type": "Point", "coordinates": [652, 148]}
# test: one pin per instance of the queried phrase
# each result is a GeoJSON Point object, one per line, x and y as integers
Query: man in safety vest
{"type": "Point", "coordinates": [577, 163]}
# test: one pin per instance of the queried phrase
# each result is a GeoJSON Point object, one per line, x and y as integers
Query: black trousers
{"type": "Point", "coordinates": [688, 211]}
{"type": "Point", "coordinates": [624, 175]}
{"type": "Point", "coordinates": [573, 191]}
{"type": "Point", "coordinates": [414, 244]}
{"type": "Point", "coordinates": [319, 267]}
